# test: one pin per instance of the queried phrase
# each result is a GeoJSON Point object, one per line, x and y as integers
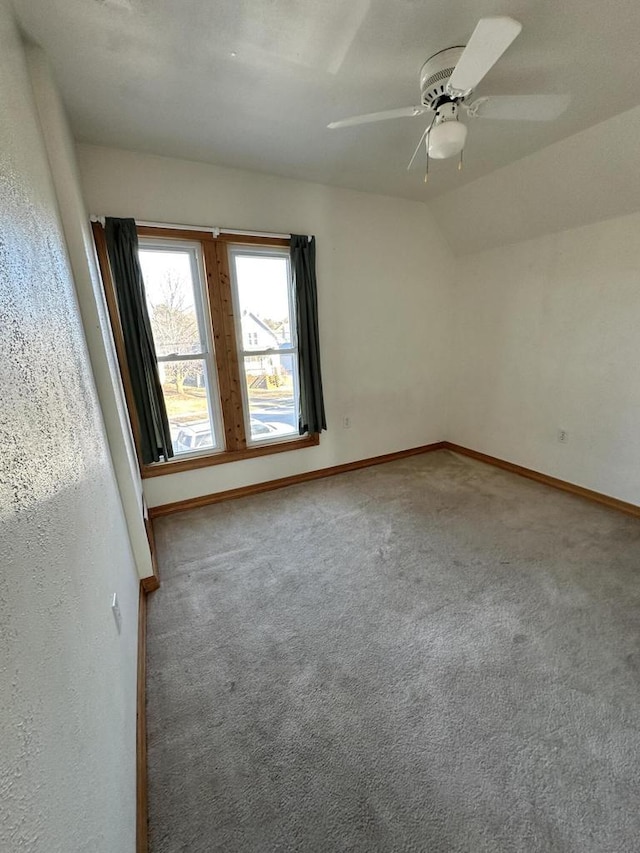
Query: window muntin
{"type": "Point", "coordinates": [267, 346]}
{"type": "Point", "coordinates": [173, 273]}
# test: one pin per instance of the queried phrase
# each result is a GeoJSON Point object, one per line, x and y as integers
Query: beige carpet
{"type": "Point", "coordinates": [429, 655]}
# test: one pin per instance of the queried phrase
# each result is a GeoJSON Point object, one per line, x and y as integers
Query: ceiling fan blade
{"type": "Point", "coordinates": [403, 112]}
{"type": "Point", "coordinates": [520, 107]}
{"type": "Point", "coordinates": [490, 39]}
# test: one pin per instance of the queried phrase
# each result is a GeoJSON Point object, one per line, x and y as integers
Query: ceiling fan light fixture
{"type": "Point", "coordinates": [448, 79]}
{"type": "Point", "coordinates": [446, 139]}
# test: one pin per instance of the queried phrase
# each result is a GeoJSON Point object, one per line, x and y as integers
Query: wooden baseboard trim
{"type": "Point", "coordinates": [283, 482]}
{"type": "Point", "coordinates": [150, 584]}
{"type": "Point", "coordinates": [554, 482]}
{"type": "Point", "coordinates": [142, 810]}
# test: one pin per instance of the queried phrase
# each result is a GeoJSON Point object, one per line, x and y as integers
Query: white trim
{"type": "Point", "coordinates": [254, 233]}
{"type": "Point", "coordinates": [211, 228]}
{"type": "Point", "coordinates": [292, 350]}
{"type": "Point", "coordinates": [260, 353]}
{"type": "Point", "coordinates": [173, 225]}
{"type": "Point", "coordinates": [216, 231]}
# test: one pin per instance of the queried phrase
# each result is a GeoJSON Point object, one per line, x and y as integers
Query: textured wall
{"type": "Point", "coordinates": [384, 275]}
{"type": "Point", "coordinates": [79, 239]}
{"type": "Point", "coordinates": [546, 337]}
{"type": "Point", "coordinates": [67, 698]}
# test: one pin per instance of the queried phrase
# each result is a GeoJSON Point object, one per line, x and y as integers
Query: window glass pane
{"type": "Point", "coordinates": [263, 294]}
{"type": "Point", "coordinates": [168, 281]}
{"type": "Point", "coordinates": [184, 384]}
{"type": "Point", "coordinates": [272, 396]}
{"type": "Point", "coordinates": [176, 300]}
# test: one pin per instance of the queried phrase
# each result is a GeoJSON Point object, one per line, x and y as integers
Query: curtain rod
{"type": "Point", "coordinates": [214, 230]}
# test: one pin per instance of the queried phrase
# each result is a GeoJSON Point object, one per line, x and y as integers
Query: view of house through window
{"type": "Point", "coordinates": [265, 332]}
{"type": "Point", "coordinates": [176, 303]}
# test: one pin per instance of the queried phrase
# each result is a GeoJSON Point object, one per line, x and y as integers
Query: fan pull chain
{"type": "Point", "coordinates": [426, 174]}
{"type": "Point", "coordinates": [461, 162]}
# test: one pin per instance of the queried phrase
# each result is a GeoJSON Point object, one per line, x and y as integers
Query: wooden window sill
{"type": "Point", "coordinates": [161, 469]}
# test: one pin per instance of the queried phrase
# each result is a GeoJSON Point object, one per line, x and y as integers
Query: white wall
{"type": "Point", "coordinates": [581, 179]}
{"type": "Point", "coordinates": [79, 239]}
{"type": "Point", "coordinates": [547, 337]}
{"type": "Point", "coordinates": [384, 284]}
{"type": "Point", "coordinates": [67, 706]}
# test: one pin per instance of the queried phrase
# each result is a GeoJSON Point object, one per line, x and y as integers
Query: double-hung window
{"type": "Point", "coordinates": [266, 334]}
{"type": "Point", "coordinates": [173, 273]}
{"type": "Point", "coordinates": [222, 316]}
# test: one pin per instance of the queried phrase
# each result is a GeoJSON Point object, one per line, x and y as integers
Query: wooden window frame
{"type": "Point", "coordinates": [218, 286]}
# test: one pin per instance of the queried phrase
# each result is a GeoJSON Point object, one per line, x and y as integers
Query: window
{"type": "Point", "coordinates": [222, 317]}
{"type": "Point", "coordinates": [269, 364]}
{"type": "Point", "coordinates": [176, 302]}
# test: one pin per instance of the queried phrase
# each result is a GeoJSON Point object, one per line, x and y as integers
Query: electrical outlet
{"type": "Point", "coordinates": [115, 609]}
{"type": "Point", "coordinates": [346, 422]}
{"type": "Point", "coordinates": [563, 436]}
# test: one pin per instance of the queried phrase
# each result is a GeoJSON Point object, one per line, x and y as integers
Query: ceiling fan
{"type": "Point", "coordinates": [447, 81]}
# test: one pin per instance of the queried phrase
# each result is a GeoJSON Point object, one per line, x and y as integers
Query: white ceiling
{"type": "Point", "coordinates": [588, 177]}
{"type": "Point", "coordinates": [253, 83]}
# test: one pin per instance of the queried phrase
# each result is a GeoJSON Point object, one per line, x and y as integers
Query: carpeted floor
{"type": "Point", "coordinates": [428, 655]}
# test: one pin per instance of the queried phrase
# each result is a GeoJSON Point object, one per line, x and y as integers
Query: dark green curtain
{"type": "Point", "coordinates": [122, 246]}
{"type": "Point", "coordinates": [303, 266]}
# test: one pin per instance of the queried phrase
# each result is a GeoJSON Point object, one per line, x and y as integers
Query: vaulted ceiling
{"type": "Point", "coordinates": [253, 83]}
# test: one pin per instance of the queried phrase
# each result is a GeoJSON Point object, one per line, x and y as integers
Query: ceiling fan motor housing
{"type": "Point", "coordinates": [435, 74]}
